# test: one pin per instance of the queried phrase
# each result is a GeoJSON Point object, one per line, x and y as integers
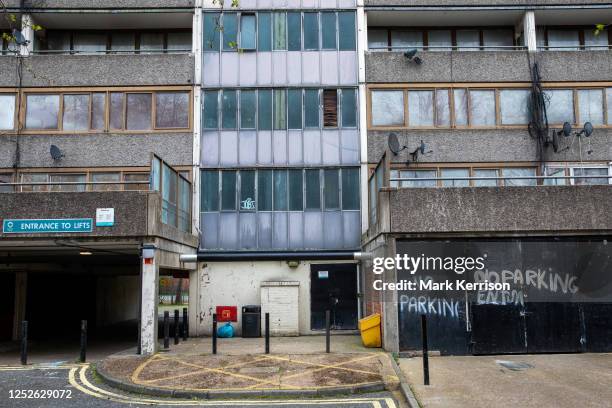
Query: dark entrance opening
{"type": "Point", "coordinates": [333, 287]}
{"type": "Point", "coordinates": [7, 305]}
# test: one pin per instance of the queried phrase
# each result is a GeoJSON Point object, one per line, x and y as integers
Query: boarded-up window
{"type": "Point", "coordinates": [330, 108]}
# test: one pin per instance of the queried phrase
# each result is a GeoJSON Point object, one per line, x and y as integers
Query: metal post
{"type": "Point", "coordinates": [267, 333]}
{"type": "Point", "coordinates": [214, 334]}
{"type": "Point", "coordinates": [185, 325]}
{"type": "Point", "coordinates": [176, 326]}
{"type": "Point", "coordinates": [139, 345]}
{"type": "Point", "coordinates": [166, 330]}
{"type": "Point", "coordinates": [83, 355]}
{"type": "Point", "coordinates": [425, 355]}
{"type": "Point", "coordinates": [327, 331]}
{"type": "Point", "coordinates": [24, 342]}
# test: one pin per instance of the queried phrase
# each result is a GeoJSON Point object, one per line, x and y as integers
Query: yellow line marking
{"type": "Point", "coordinates": [141, 367]}
{"type": "Point", "coordinates": [334, 366]}
{"type": "Point", "coordinates": [390, 403]}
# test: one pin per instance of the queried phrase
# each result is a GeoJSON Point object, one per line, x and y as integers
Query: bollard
{"type": "Point", "coordinates": [327, 331]}
{"type": "Point", "coordinates": [267, 333]}
{"type": "Point", "coordinates": [83, 355]}
{"type": "Point", "coordinates": [139, 345]}
{"type": "Point", "coordinates": [425, 355]}
{"type": "Point", "coordinates": [214, 334]}
{"type": "Point", "coordinates": [176, 326]}
{"type": "Point", "coordinates": [185, 325]}
{"type": "Point", "coordinates": [24, 342]}
{"type": "Point", "coordinates": [166, 330]}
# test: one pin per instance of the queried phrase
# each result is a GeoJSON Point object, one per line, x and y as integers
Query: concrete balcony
{"type": "Point", "coordinates": [99, 70]}
{"type": "Point", "coordinates": [476, 3]}
{"type": "Point", "coordinates": [101, 4]}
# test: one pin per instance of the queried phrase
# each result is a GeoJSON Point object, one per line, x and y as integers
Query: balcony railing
{"type": "Point", "coordinates": [111, 52]}
{"type": "Point", "coordinates": [398, 48]}
{"type": "Point", "coordinates": [539, 180]}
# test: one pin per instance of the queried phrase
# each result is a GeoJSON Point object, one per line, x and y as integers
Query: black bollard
{"type": "Point", "coordinates": [83, 356]}
{"type": "Point", "coordinates": [214, 334]}
{"type": "Point", "coordinates": [327, 330]}
{"type": "Point", "coordinates": [425, 355]}
{"type": "Point", "coordinates": [24, 342]}
{"type": "Point", "coordinates": [185, 325]}
{"type": "Point", "coordinates": [166, 330]}
{"type": "Point", "coordinates": [139, 345]}
{"type": "Point", "coordinates": [267, 333]}
{"type": "Point", "coordinates": [176, 326]}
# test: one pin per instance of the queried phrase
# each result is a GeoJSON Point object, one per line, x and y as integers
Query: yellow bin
{"type": "Point", "coordinates": [370, 330]}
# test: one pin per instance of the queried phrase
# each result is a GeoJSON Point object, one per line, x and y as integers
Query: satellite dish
{"type": "Point", "coordinates": [56, 153]}
{"type": "Point", "coordinates": [555, 140]}
{"type": "Point", "coordinates": [422, 147]}
{"type": "Point", "coordinates": [567, 129]}
{"type": "Point", "coordinates": [393, 143]}
{"type": "Point", "coordinates": [19, 38]}
{"type": "Point", "coordinates": [410, 53]}
{"type": "Point", "coordinates": [588, 129]}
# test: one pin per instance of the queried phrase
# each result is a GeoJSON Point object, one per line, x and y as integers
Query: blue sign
{"type": "Point", "coordinates": [47, 226]}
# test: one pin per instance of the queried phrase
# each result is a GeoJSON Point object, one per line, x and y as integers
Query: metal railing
{"type": "Point", "coordinates": [536, 178]}
{"type": "Point", "coordinates": [111, 52]}
{"type": "Point", "coordinates": [448, 48]}
{"type": "Point", "coordinates": [602, 47]}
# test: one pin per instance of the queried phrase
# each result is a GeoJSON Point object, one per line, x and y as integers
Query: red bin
{"type": "Point", "coordinates": [227, 314]}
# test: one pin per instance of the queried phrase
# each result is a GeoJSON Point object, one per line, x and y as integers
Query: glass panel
{"type": "Point", "coordinates": [179, 41]}
{"type": "Point", "coordinates": [406, 39]}
{"type": "Point", "coordinates": [461, 107]}
{"type": "Point", "coordinates": [418, 174]}
{"type": "Point", "coordinates": [184, 205]}
{"type": "Point", "coordinates": [264, 109]}
{"type": "Point", "coordinates": [144, 177]}
{"type": "Point", "coordinates": [228, 190]}
{"type": "Point", "coordinates": [58, 41]}
{"type": "Point", "coordinates": [89, 42]}
{"type": "Point", "coordinates": [497, 38]}
{"type": "Point", "coordinates": [394, 174]}
{"type": "Point", "coordinates": [211, 31]}
{"type": "Point", "coordinates": [482, 108]}
{"type": "Point", "coordinates": [248, 109]}
{"type": "Point", "coordinates": [387, 108]}
{"type": "Point", "coordinates": [590, 106]}
{"type": "Point", "coordinates": [264, 190]}
{"type": "Point", "coordinates": [596, 42]}
{"type": "Point", "coordinates": [138, 111]}
{"type": "Point", "coordinates": [349, 108]}
{"type": "Point", "coordinates": [519, 172]}
{"type": "Point", "coordinates": [280, 109]}
{"type": "Point", "coordinates": [455, 173]}
{"type": "Point", "coordinates": [331, 189]}
{"type": "Point", "coordinates": [313, 189]}
{"type": "Point", "coordinates": [247, 190]}
{"type": "Point", "coordinates": [210, 190]}
{"type": "Point", "coordinates": [378, 40]}
{"type": "Point", "coordinates": [559, 106]}
{"type": "Point", "coordinates": [296, 190]}
{"type": "Point", "coordinates": [346, 30]}
{"type": "Point", "coordinates": [468, 40]}
{"type": "Point", "coordinates": [294, 23]}
{"type": "Point", "coordinates": [439, 40]}
{"type": "Point", "coordinates": [554, 172]}
{"type": "Point", "coordinates": [116, 110]}
{"type": "Point", "coordinates": [264, 32]}
{"type": "Point", "coordinates": [7, 113]}
{"type": "Point", "coordinates": [514, 106]}
{"type": "Point", "coordinates": [67, 178]}
{"type": "Point", "coordinates": [280, 31]}
{"type": "Point", "coordinates": [485, 173]}
{"type": "Point", "coordinates": [169, 195]}
{"type": "Point", "coordinates": [373, 199]}
{"type": "Point", "coordinates": [123, 41]}
{"type": "Point", "coordinates": [230, 29]}
{"type": "Point", "coordinates": [42, 111]}
{"type": "Point", "coordinates": [6, 178]}
{"type": "Point", "coordinates": [228, 104]}
{"type": "Point", "coordinates": [98, 111]}
{"type": "Point", "coordinates": [247, 31]}
{"type": "Point", "coordinates": [609, 104]}
{"type": "Point", "coordinates": [294, 104]}
{"type": "Point", "coordinates": [109, 177]}
{"type": "Point", "coordinates": [211, 109]}
{"type": "Point", "coordinates": [563, 40]}
{"type": "Point", "coordinates": [311, 31]}
{"type": "Point", "coordinates": [328, 30]}
{"type": "Point", "coordinates": [280, 190]}
{"type": "Point", "coordinates": [350, 189]}
{"type": "Point", "coordinates": [420, 108]}
{"type": "Point", "coordinates": [442, 108]}
{"type": "Point", "coordinates": [76, 112]}
{"type": "Point", "coordinates": [311, 108]}
{"type": "Point", "coordinates": [601, 171]}
{"type": "Point", "coordinates": [172, 110]}
{"type": "Point", "coordinates": [540, 38]}
{"type": "Point", "coordinates": [152, 42]}
{"type": "Point", "coordinates": [330, 108]}
{"type": "Point", "coordinates": [155, 173]}
{"type": "Point", "coordinates": [34, 178]}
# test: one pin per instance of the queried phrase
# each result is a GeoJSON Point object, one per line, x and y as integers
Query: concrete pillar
{"type": "Point", "coordinates": [149, 300]}
{"type": "Point", "coordinates": [362, 45]}
{"type": "Point", "coordinates": [529, 31]}
{"type": "Point", "coordinates": [21, 289]}
{"type": "Point", "coordinates": [194, 301]}
{"type": "Point", "coordinates": [27, 23]}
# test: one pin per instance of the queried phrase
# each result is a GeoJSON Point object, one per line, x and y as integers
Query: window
{"type": "Point", "coordinates": [211, 109]}
{"type": "Point", "coordinates": [129, 177]}
{"type": "Point", "coordinates": [247, 190]}
{"type": "Point", "coordinates": [230, 31]}
{"type": "Point", "coordinates": [42, 111]}
{"type": "Point", "coordinates": [210, 190]}
{"type": "Point", "coordinates": [171, 110]}
{"type": "Point", "coordinates": [439, 40]}
{"type": "Point", "coordinates": [294, 24]}
{"type": "Point", "coordinates": [328, 30]}
{"type": "Point", "coordinates": [563, 40]}
{"type": "Point", "coordinates": [7, 113]}
{"type": "Point", "coordinates": [460, 98]}
{"type": "Point", "coordinates": [554, 172]}
{"type": "Point", "coordinates": [89, 42]}
{"type": "Point", "coordinates": [34, 178]}
{"type": "Point", "coordinates": [459, 173]}
{"type": "Point", "coordinates": [264, 109]}
{"type": "Point", "coordinates": [280, 31]}
{"type": "Point", "coordinates": [98, 111]}
{"type": "Point", "coordinates": [596, 42]}
{"type": "Point", "coordinates": [228, 106]}
{"type": "Point", "coordinates": [482, 108]}
{"type": "Point", "coordinates": [468, 40]}
{"type": "Point", "coordinates": [559, 106]}
{"type": "Point", "coordinates": [485, 173]}
{"type": "Point", "coordinates": [514, 106]}
{"type": "Point", "coordinates": [151, 43]}
{"type": "Point", "coordinates": [311, 108]}
{"type": "Point", "coordinates": [184, 205]}
{"type": "Point", "coordinates": [597, 171]}
{"type": "Point", "coordinates": [349, 108]}
{"type": "Point", "coordinates": [442, 111]}
{"type": "Point", "coordinates": [180, 41]}
{"type": "Point", "coordinates": [420, 108]}
{"type": "Point", "coordinates": [211, 31]}
{"type": "Point", "coordinates": [122, 41]}
{"type": "Point", "coordinates": [228, 190]}
{"type": "Point", "coordinates": [6, 178]}
{"type": "Point", "coordinates": [264, 32]}
{"type": "Point", "coordinates": [169, 195]}
{"type": "Point", "coordinates": [264, 190]}
{"type": "Point", "coordinates": [311, 31]}
{"type": "Point", "coordinates": [401, 40]}
{"type": "Point", "coordinates": [387, 108]}
{"type": "Point", "coordinates": [247, 32]}
{"type": "Point", "coordinates": [519, 172]}
{"type": "Point", "coordinates": [294, 104]}
{"type": "Point", "coordinates": [415, 174]}
{"type": "Point", "coordinates": [106, 177]}
{"type": "Point", "coordinates": [498, 40]}
{"type": "Point", "coordinates": [313, 189]}
{"type": "Point", "coordinates": [117, 107]}
{"type": "Point", "coordinates": [296, 190]}
{"type": "Point", "coordinates": [346, 30]}
{"type": "Point", "coordinates": [138, 111]}
{"type": "Point", "coordinates": [280, 190]}
{"type": "Point", "coordinates": [331, 189]}
{"type": "Point", "coordinates": [350, 189]}
{"type": "Point", "coordinates": [280, 109]}
{"type": "Point", "coordinates": [248, 109]}
{"type": "Point", "coordinates": [67, 178]}
{"type": "Point", "coordinates": [609, 104]}
{"type": "Point", "coordinates": [590, 104]}
{"type": "Point", "coordinates": [330, 108]}
{"type": "Point", "coordinates": [377, 40]}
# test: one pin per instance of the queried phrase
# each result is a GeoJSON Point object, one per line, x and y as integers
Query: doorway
{"type": "Point", "coordinates": [333, 287]}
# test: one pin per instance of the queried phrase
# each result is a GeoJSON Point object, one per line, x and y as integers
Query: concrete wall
{"type": "Point", "coordinates": [117, 299]}
{"type": "Point", "coordinates": [100, 149]}
{"type": "Point", "coordinates": [488, 66]}
{"type": "Point", "coordinates": [99, 70]}
{"type": "Point", "coordinates": [542, 209]}
{"type": "Point", "coordinates": [430, 3]}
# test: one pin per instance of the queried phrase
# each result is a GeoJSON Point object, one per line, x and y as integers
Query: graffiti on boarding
{"type": "Point", "coordinates": [430, 306]}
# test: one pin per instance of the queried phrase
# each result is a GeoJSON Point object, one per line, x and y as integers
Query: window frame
{"type": "Point", "coordinates": [16, 110]}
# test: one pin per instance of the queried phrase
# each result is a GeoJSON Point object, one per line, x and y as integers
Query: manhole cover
{"type": "Point", "coordinates": [514, 365]}
{"type": "Point", "coordinates": [259, 370]}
